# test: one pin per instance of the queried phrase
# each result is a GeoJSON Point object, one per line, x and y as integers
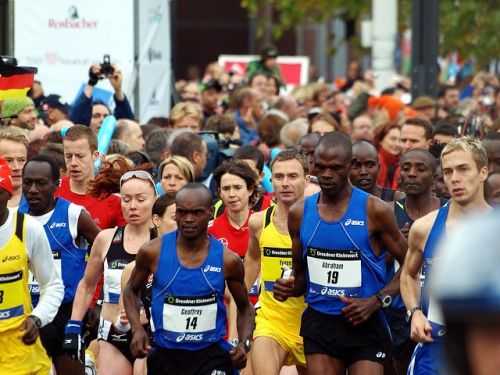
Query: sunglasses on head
{"type": "Point", "coordinates": [141, 175]}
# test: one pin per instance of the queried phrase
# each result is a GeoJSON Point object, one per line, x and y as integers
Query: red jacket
{"type": "Point", "coordinates": [388, 174]}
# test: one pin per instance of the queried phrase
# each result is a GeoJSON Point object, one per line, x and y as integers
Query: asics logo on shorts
{"type": "Point", "coordinates": [218, 372]}
{"type": "Point", "coordinates": [380, 355]}
{"type": "Point", "coordinates": [354, 222]}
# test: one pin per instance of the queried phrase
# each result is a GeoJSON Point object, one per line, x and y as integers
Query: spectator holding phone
{"type": "Point", "coordinates": [85, 111]}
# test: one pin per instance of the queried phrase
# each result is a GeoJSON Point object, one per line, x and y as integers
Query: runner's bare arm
{"type": "Point", "coordinates": [145, 263]}
{"type": "Point", "coordinates": [234, 274]}
{"type": "Point", "coordinates": [93, 271]}
{"type": "Point", "coordinates": [420, 329]}
{"type": "Point", "coordinates": [87, 227]}
{"type": "Point", "coordinates": [252, 257]}
{"type": "Point", "coordinates": [381, 215]}
{"type": "Point", "coordinates": [235, 278]}
{"type": "Point", "coordinates": [410, 271]}
{"type": "Point", "coordinates": [294, 222]}
{"type": "Point", "coordinates": [295, 285]}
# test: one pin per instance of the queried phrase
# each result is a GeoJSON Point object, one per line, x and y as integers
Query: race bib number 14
{"type": "Point", "coordinates": [190, 314]}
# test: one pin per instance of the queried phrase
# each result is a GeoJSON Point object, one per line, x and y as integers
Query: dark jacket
{"type": "Point", "coordinates": [81, 111]}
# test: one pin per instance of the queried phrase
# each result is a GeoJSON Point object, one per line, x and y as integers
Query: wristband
{"type": "Point", "coordinates": [73, 326]}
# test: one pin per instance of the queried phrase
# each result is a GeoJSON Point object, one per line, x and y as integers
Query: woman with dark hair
{"type": "Point", "coordinates": [236, 183]}
{"type": "Point", "coordinates": [387, 141]}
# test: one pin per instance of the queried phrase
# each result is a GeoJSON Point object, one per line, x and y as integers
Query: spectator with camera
{"type": "Point", "coordinates": [85, 111]}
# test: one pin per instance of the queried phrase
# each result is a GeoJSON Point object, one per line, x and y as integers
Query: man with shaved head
{"type": "Point", "coordinates": [418, 167]}
{"type": "Point", "coordinates": [339, 241]}
{"type": "Point", "coordinates": [190, 270]}
{"type": "Point", "coordinates": [364, 171]}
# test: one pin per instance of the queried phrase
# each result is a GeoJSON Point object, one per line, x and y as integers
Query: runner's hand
{"type": "Point", "coordinates": [73, 342]}
{"type": "Point", "coordinates": [238, 357]}
{"type": "Point", "coordinates": [420, 328]}
{"type": "Point", "coordinates": [358, 310]}
{"type": "Point", "coordinates": [283, 288]}
{"type": "Point", "coordinates": [30, 331]}
{"type": "Point", "coordinates": [140, 346]}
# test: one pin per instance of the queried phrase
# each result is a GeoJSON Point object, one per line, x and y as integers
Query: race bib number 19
{"type": "Point", "coordinates": [333, 268]}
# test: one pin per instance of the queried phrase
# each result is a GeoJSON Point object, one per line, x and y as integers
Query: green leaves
{"type": "Point", "coordinates": [467, 26]}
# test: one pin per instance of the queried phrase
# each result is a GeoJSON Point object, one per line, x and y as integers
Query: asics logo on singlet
{"type": "Point", "coordinates": [57, 225]}
{"type": "Point", "coordinates": [209, 268]}
{"type": "Point", "coordinates": [4, 314]}
{"type": "Point", "coordinates": [354, 222]}
{"type": "Point", "coordinates": [332, 292]}
{"type": "Point", "coordinates": [189, 337]}
{"type": "Point", "coordinates": [218, 372]}
{"type": "Point", "coordinates": [180, 338]}
{"type": "Point", "coordinates": [10, 258]}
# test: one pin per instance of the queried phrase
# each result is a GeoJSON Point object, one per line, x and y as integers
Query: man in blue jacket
{"type": "Point", "coordinates": [85, 111]}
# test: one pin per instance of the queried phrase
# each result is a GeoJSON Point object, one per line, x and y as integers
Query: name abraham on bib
{"type": "Point", "coordinates": [334, 272]}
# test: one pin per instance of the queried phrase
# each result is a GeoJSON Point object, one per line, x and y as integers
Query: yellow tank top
{"type": "Point", "coordinates": [15, 300]}
{"type": "Point", "coordinates": [276, 252]}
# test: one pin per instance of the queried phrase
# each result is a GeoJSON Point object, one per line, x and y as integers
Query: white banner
{"type": "Point", "coordinates": [154, 67]}
{"type": "Point", "coordinates": [62, 38]}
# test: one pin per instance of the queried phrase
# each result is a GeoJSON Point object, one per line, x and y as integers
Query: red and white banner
{"type": "Point", "coordinates": [294, 69]}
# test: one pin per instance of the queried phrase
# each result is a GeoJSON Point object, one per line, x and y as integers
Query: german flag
{"type": "Point", "coordinates": [15, 81]}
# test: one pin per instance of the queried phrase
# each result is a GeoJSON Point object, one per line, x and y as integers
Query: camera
{"type": "Point", "coordinates": [106, 67]}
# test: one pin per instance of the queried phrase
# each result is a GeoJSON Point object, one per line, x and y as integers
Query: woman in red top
{"type": "Point", "coordinates": [236, 182]}
{"type": "Point", "coordinates": [387, 141]}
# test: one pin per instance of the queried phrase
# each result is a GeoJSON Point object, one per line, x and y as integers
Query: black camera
{"type": "Point", "coordinates": [106, 67]}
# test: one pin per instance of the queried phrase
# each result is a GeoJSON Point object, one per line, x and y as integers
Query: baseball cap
{"type": "Point", "coordinates": [54, 101]}
{"type": "Point", "coordinates": [5, 176]}
{"type": "Point", "coordinates": [12, 107]}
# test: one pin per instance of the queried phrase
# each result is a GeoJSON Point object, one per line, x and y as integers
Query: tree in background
{"type": "Point", "coordinates": [469, 27]}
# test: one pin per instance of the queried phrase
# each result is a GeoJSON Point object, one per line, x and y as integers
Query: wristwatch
{"type": "Point", "coordinates": [385, 299]}
{"type": "Point", "coordinates": [247, 345]}
{"type": "Point", "coordinates": [36, 320]}
{"type": "Point", "coordinates": [409, 313]}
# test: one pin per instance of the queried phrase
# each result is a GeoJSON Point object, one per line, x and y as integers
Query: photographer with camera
{"type": "Point", "coordinates": [91, 113]}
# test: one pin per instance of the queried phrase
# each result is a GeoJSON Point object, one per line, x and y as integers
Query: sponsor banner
{"type": "Point", "coordinates": [64, 38]}
{"type": "Point", "coordinates": [294, 69]}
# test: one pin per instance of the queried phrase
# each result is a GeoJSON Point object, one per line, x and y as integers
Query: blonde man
{"type": "Point", "coordinates": [277, 339]}
{"type": "Point", "coordinates": [465, 168]}
{"type": "Point", "coordinates": [14, 149]}
{"type": "Point", "coordinates": [186, 115]}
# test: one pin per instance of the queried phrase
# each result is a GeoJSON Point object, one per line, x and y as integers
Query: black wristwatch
{"type": "Point", "coordinates": [409, 313]}
{"type": "Point", "coordinates": [36, 320]}
{"type": "Point", "coordinates": [385, 299]}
